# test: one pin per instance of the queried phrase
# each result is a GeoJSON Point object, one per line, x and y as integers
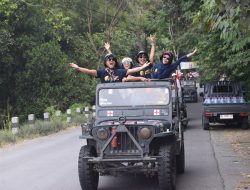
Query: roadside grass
{"type": "Point", "coordinates": [39, 128]}
{"type": "Point", "coordinates": [6, 137]}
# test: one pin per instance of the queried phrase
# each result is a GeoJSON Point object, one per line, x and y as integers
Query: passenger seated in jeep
{"type": "Point", "coordinates": [111, 72]}
{"type": "Point", "coordinates": [127, 63]}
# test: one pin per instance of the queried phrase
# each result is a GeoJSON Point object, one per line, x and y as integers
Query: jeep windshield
{"type": "Point", "coordinates": [133, 97]}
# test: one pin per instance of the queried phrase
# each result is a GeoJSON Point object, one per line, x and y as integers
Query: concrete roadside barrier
{"type": "Point", "coordinates": [69, 118]}
{"type": "Point", "coordinates": [15, 125]}
{"type": "Point", "coordinates": [46, 116]}
{"type": "Point", "coordinates": [31, 120]}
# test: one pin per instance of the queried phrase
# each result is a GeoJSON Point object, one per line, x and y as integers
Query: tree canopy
{"type": "Point", "coordinates": [38, 38]}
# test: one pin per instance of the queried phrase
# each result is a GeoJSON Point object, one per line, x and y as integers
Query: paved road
{"type": "Point", "coordinates": [50, 163]}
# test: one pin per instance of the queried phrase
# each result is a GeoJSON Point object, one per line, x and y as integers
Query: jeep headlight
{"type": "Point", "coordinates": [102, 134]}
{"type": "Point", "coordinates": [145, 133]}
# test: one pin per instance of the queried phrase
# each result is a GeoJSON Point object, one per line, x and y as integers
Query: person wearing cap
{"type": "Point", "coordinates": [111, 72]}
{"type": "Point", "coordinates": [142, 58]}
{"type": "Point", "coordinates": [165, 67]}
{"type": "Point", "coordinates": [127, 63]}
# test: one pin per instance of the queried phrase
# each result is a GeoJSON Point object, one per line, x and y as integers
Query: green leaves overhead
{"type": "Point", "coordinates": [226, 20]}
{"type": "Point", "coordinates": [38, 38]}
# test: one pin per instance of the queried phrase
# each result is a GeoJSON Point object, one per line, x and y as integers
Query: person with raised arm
{"type": "Point", "coordinates": [142, 57]}
{"type": "Point", "coordinates": [164, 68]}
{"type": "Point", "coordinates": [127, 63]}
{"type": "Point", "coordinates": [111, 72]}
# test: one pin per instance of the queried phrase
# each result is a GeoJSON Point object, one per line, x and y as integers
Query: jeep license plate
{"type": "Point", "coordinates": [228, 116]}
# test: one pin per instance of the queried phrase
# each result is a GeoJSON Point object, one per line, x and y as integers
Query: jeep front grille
{"type": "Point", "coordinates": [187, 92]}
{"type": "Point", "coordinates": [125, 145]}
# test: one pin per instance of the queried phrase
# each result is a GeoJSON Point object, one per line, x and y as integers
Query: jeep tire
{"type": "Point", "coordinates": [167, 167]}
{"type": "Point", "coordinates": [180, 160]}
{"type": "Point", "coordinates": [244, 123]}
{"type": "Point", "coordinates": [88, 177]}
{"type": "Point", "coordinates": [205, 123]}
{"type": "Point", "coordinates": [184, 117]}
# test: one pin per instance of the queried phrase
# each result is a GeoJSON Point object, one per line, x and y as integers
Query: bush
{"type": "Point", "coordinates": [78, 119]}
{"type": "Point", "coordinates": [40, 128]}
{"type": "Point", "coordinates": [45, 127]}
{"type": "Point", "coordinates": [6, 137]}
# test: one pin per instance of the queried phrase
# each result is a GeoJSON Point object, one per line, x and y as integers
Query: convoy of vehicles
{"type": "Point", "coordinates": [138, 129]}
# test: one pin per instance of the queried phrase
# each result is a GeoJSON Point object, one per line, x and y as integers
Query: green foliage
{"type": "Point", "coordinates": [77, 105]}
{"type": "Point", "coordinates": [26, 131]}
{"type": "Point", "coordinates": [225, 38]}
{"type": "Point", "coordinates": [7, 7]}
{"type": "Point", "coordinates": [39, 38]}
{"type": "Point", "coordinates": [79, 118]}
{"type": "Point", "coordinates": [45, 79]}
{"type": "Point", "coordinates": [6, 137]}
{"type": "Point", "coordinates": [40, 128]}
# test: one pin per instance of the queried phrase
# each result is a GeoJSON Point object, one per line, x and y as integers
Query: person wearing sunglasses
{"type": "Point", "coordinates": [165, 68]}
{"type": "Point", "coordinates": [143, 58]}
{"type": "Point", "coordinates": [111, 72]}
{"type": "Point", "coordinates": [127, 63]}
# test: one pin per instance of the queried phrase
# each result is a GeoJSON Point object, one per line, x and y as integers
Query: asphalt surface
{"type": "Point", "coordinates": [50, 163]}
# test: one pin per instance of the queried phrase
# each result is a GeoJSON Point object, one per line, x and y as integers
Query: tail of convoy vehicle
{"type": "Point", "coordinates": [135, 130]}
{"type": "Point", "coordinates": [224, 103]}
{"type": "Point", "coordinates": [190, 93]}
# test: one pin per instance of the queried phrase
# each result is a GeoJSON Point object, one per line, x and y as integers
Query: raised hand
{"type": "Point", "coordinates": [195, 50]}
{"type": "Point", "coordinates": [107, 46]}
{"type": "Point", "coordinates": [190, 54]}
{"type": "Point", "coordinates": [73, 65]}
{"type": "Point", "coordinates": [152, 39]}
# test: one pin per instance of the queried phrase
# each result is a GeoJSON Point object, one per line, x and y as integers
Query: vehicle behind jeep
{"type": "Point", "coordinates": [135, 131]}
{"type": "Point", "coordinates": [224, 103]}
{"type": "Point", "coordinates": [189, 91]}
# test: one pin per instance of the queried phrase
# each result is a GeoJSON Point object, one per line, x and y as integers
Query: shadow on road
{"type": "Point", "coordinates": [139, 182]}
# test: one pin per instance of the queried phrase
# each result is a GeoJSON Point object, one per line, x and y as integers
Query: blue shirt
{"type": "Point", "coordinates": [146, 72]}
{"type": "Point", "coordinates": [162, 71]}
{"type": "Point", "coordinates": [106, 75]}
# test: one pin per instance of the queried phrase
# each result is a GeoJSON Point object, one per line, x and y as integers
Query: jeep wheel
{"type": "Point", "coordinates": [180, 160]}
{"type": "Point", "coordinates": [88, 177]}
{"type": "Point", "coordinates": [185, 113]}
{"type": "Point", "coordinates": [196, 100]}
{"type": "Point", "coordinates": [244, 123]}
{"type": "Point", "coordinates": [167, 167]}
{"type": "Point", "coordinates": [184, 119]}
{"type": "Point", "coordinates": [205, 123]}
